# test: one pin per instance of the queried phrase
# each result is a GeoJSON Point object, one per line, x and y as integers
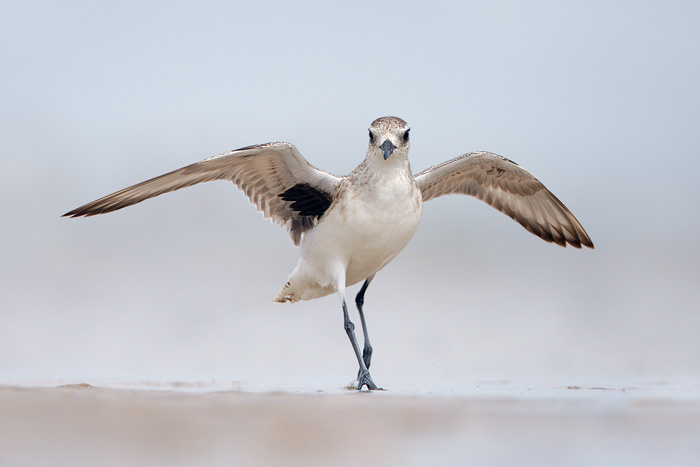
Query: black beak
{"type": "Point", "coordinates": [387, 148]}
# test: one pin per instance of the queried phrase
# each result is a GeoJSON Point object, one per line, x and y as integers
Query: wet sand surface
{"type": "Point", "coordinates": [504, 424]}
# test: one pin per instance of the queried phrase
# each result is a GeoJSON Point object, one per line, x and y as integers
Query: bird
{"type": "Point", "coordinates": [349, 227]}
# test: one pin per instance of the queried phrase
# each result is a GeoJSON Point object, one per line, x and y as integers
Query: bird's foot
{"type": "Point", "coordinates": [363, 379]}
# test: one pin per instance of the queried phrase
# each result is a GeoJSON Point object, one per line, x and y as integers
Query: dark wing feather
{"type": "Point", "coordinates": [307, 200]}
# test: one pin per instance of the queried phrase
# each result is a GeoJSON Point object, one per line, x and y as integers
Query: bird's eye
{"type": "Point", "coordinates": [371, 137]}
{"type": "Point", "coordinates": [405, 136]}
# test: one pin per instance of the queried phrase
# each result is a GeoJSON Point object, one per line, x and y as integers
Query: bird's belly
{"type": "Point", "coordinates": [364, 238]}
{"type": "Point", "coordinates": [379, 243]}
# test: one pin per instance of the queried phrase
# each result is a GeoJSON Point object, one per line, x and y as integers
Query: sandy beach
{"type": "Point", "coordinates": [502, 425]}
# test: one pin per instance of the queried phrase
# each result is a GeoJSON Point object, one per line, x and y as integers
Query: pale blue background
{"type": "Point", "coordinates": [598, 99]}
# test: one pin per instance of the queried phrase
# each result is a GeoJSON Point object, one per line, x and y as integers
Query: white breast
{"type": "Point", "coordinates": [370, 224]}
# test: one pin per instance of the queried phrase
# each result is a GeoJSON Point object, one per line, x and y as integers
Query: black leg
{"type": "Point", "coordinates": [363, 377]}
{"type": "Point", "coordinates": [359, 301]}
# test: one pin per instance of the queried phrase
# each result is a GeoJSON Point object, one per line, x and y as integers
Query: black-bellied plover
{"type": "Point", "coordinates": [350, 227]}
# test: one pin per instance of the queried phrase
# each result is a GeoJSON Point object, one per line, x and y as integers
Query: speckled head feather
{"type": "Point", "coordinates": [388, 122]}
{"type": "Point", "coordinates": [387, 126]}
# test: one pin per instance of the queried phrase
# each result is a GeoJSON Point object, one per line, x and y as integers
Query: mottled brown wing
{"type": "Point", "coordinates": [506, 186]}
{"type": "Point", "coordinates": [264, 172]}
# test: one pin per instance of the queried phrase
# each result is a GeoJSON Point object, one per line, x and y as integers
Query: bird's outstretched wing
{"type": "Point", "coordinates": [274, 176]}
{"type": "Point", "coordinates": [506, 186]}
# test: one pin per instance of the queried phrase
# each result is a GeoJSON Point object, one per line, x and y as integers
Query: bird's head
{"type": "Point", "coordinates": [388, 137]}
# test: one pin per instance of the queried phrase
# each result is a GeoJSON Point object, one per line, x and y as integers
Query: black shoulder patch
{"type": "Point", "coordinates": [307, 200]}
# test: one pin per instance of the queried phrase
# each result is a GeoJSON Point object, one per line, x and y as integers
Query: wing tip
{"type": "Point", "coordinates": [87, 211]}
{"type": "Point", "coordinates": [73, 213]}
{"type": "Point", "coordinates": [577, 243]}
{"type": "Point", "coordinates": [588, 243]}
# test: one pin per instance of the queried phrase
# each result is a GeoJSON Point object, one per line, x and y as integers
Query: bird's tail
{"type": "Point", "coordinates": [286, 294]}
{"type": "Point", "coordinates": [296, 289]}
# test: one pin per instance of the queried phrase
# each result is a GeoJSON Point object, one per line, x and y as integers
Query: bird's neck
{"type": "Point", "coordinates": [375, 171]}
{"type": "Point", "coordinates": [396, 164]}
